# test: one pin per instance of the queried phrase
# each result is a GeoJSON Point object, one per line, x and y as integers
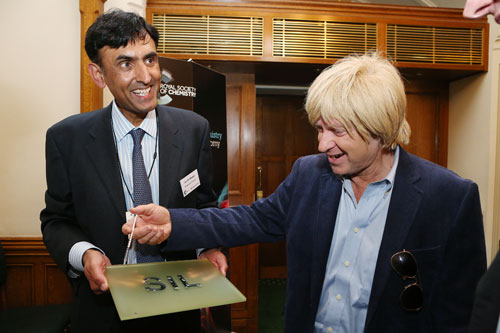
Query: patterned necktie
{"type": "Point", "coordinates": [142, 195]}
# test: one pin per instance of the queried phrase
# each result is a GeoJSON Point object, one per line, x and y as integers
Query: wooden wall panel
{"type": "Point", "coordinates": [244, 275]}
{"type": "Point", "coordinates": [90, 94]}
{"type": "Point", "coordinates": [240, 94]}
{"type": "Point", "coordinates": [241, 137]}
{"type": "Point", "coordinates": [20, 289]}
{"type": "Point", "coordinates": [56, 285]}
{"type": "Point", "coordinates": [32, 276]}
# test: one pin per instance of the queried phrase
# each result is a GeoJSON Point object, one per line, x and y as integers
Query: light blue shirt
{"type": "Point", "coordinates": [353, 256]}
{"type": "Point", "coordinates": [125, 145]}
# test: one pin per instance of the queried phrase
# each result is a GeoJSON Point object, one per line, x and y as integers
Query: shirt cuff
{"type": "Point", "coordinates": [199, 251]}
{"type": "Point", "coordinates": [75, 257]}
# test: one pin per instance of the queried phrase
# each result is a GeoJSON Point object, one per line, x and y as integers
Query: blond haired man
{"type": "Point", "coordinates": [377, 239]}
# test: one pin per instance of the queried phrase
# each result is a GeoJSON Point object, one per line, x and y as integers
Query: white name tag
{"type": "Point", "coordinates": [190, 182]}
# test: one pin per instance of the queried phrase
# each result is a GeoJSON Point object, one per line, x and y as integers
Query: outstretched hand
{"type": "Point", "coordinates": [152, 226]}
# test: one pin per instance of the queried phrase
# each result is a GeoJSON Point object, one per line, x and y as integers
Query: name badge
{"type": "Point", "coordinates": [190, 182]}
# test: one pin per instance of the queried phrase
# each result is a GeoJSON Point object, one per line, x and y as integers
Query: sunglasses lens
{"type": "Point", "coordinates": [404, 263]}
{"type": "Point", "coordinates": [412, 297]}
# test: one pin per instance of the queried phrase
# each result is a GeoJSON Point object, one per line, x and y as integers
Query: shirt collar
{"type": "Point", "coordinates": [392, 174]}
{"type": "Point", "coordinates": [122, 126]}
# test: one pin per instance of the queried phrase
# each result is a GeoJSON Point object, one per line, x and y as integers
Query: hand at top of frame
{"type": "Point", "coordinates": [152, 226]}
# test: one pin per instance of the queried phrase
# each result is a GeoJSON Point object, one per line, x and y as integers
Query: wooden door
{"type": "Point", "coordinates": [283, 135]}
{"type": "Point", "coordinates": [427, 114]}
{"type": "Point", "coordinates": [243, 260]}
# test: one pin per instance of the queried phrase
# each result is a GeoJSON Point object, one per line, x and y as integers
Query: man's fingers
{"type": "Point", "coordinates": [145, 238]}
{"type": "Point", "coordinates": [223, 267]}
{"type": "Point", "coordinates": [104, 286]}
{"type": "Point", "coordinates": [94, 265]}
{"type": "Point", "coordinates": [154, 236]}
{"type": "Point", "coordinates": [217, 258]}
{"type": "Point", "coordinates": [152, 225]}
{"type": "Point", "coordinates": [143, 209]}
{"type": "Point", "coordinates": [126, 229]}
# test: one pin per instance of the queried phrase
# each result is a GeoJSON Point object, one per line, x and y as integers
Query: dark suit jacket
{"type": "Point", "coordinates": [85, 199]}
{"type": "Point", "coordinates": [486, 310]}
{"type": "Point", "coordinates": [433, 213]}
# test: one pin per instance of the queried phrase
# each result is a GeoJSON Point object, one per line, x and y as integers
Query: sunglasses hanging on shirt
{"type": "Point", "coordinates": [412, 296]}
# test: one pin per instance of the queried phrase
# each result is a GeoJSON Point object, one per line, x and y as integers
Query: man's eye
{"type": "Point", "coordinates": [339, 131]}
{"type": "Point", "coordinates": [150, 61]}
{"type": "Point", "coordinates": [125, 65]}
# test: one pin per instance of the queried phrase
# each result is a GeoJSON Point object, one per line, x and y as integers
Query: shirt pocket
{"type": "Point", "coordinates": [363, 299]}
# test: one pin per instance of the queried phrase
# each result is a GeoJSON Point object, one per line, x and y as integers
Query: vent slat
{"type": "Point", "coordinates": [205, 34]}
{"type": "Point", "coordinates": [434, 44]}
{"type": "Point", "coordinates": [321, 39]}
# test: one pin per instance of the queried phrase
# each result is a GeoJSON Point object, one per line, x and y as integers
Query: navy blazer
{"type": "Point", "coordinates": [85, 199]}
{"type": "Point", "coordinates": [433, 213]}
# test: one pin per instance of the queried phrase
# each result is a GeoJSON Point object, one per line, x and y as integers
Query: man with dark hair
{"type": "Point", "coordinates": [102, 163]}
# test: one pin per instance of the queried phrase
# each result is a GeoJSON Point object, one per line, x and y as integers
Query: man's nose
{"type": "Point", "coordinates": [142, 73]}
{"type": "Point", "coordinates": [326, 141]}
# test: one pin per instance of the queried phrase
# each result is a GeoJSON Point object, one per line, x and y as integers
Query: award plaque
{"type": "Point", "coordinates": [151, 289]}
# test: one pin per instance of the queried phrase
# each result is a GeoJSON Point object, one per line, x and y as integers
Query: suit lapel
{"type": "Point", "coordinates": [170, 155]}
{"type": "Point", "coordinates": [102, 153]}
{"type": "Point", "coordinates": [324, 224]}
{"type": "Point", "coordinates": [405, 202]}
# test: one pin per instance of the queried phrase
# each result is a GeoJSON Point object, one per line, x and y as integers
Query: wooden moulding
{"type": "Point", "coordinates": [315, 10]}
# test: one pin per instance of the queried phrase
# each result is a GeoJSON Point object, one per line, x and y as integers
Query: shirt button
{"type": "Point", "coordinates": [356, 229]}
{"type": "Point", "coordinates": [347, 263]}
{"type": "Point", "coordinates": [338, 297]}
{"type": "Point", "coordinates": [330, 329]}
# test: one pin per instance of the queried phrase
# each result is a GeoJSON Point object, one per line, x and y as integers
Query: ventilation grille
{"type": "Point", "coordinates": [434, 45]}
{"type": "Point", "coordinates": [214, 35]}
{"type": "Point", "coordinates": [322, 39]}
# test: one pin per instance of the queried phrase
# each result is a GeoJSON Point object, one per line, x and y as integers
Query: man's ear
{"type": "Point", "coordinates": [97, 74]}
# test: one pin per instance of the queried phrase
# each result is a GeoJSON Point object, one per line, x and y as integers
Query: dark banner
{"type": "Point", "coordinates": [194, 87]}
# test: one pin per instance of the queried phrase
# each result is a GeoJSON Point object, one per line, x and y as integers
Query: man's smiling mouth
{"type": "Point", "coordinates": [338, 155]}
{"type": "Point", "coordinates": [142, 92]}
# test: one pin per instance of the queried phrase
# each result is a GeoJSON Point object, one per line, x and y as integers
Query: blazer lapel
{"type": "Point", "coordinates": [405, 202]}
{"type": "Point", "coordinates": [324, 224]}
{"type": "Point", "coordinates": [170, 155]}
{"type": "Point", "coordinates": [102, 153]}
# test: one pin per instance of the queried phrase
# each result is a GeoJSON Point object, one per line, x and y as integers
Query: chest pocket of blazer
{"type": "Point", "coordinates": [429, 260]}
